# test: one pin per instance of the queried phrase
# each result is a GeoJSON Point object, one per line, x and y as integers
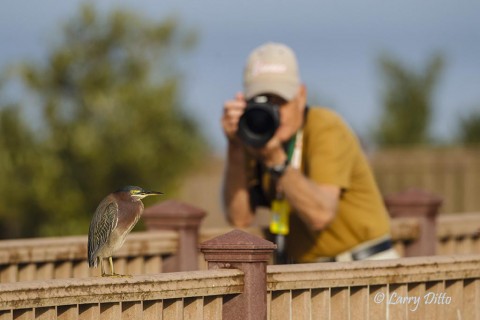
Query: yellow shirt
{"type": "Point", "coordinates": [332, 155]}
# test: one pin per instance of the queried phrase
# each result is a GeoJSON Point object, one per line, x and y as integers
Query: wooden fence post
{"type": "Point", "coordinates": [248, 253]}
{"type": "Point", "coordinates": [184, 219]}
{"type": "Point", "coordinates": [423, 206]}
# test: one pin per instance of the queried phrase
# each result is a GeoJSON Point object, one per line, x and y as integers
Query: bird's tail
{"type": "Point", "coordinates": [92, 262]}
{"type": "Point", "coordinates": [92, 259]}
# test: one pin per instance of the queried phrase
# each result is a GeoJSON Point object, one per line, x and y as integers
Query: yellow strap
{"type": "Point", "coordinates": [279, 223]}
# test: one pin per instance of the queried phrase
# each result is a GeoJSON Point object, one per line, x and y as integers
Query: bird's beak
{"type": "Point", "coordinates": [151, 193]}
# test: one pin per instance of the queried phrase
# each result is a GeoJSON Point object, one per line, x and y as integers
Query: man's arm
{"type": "Point", "coordinates": [315, 203]}
{"type": "Point", "coordinates": [236, 197]}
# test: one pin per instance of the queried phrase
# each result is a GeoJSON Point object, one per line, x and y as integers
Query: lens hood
{"type": "Point", "coordinates": [258, 123]}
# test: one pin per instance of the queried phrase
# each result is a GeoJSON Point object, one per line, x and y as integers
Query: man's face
{"type": "Point", "coordinates": [291, 114]}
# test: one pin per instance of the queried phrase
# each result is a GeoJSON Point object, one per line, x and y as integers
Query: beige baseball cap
{"type": "Point", "coordinates": [271, 68]}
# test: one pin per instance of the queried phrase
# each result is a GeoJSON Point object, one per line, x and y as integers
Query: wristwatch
{"type": "Point", "coordinates": [278, 170]}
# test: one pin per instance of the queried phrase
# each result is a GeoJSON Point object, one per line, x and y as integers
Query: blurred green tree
{"type": "Point", "coordinates": [108, 97]}
{"type": "Point", "coordinates": [407, 102]}
{"type": "Point", "coordinates": [469, 128]}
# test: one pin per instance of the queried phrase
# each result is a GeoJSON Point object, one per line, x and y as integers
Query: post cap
{"type": "Point", "coordinates": [237, 245]}
{"type": "Point", "coordinates": [413, 202]}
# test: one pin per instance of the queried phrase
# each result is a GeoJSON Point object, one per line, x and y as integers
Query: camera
{"type": "Point", "coordinates": [258, 123]}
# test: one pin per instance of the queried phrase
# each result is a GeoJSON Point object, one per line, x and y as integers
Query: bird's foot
{"type": "Point", "coordinates": [116, 275]}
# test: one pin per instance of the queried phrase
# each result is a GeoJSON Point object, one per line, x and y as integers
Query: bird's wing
{"type": "Point", "coordinates": [103, 223]}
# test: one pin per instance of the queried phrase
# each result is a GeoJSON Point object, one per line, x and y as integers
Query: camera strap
{"type": "Point", "coordinates": [280, 208]}
{"type": "Point", "coordinates": [295, 155]}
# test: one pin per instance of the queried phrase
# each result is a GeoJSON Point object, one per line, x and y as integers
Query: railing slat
{"type": "Point", "coordinates": [9, 273]}
{"type": "Point", "coordinates": [153, 264]}
{"type": "Point", "coordinates": [90, 311]}
{"type": "Point", "coordinates": [23, 314]}
{"type": "Point", "coordinates": [173, 309]}
{"type": "Point", "coordinates": [67, 312]}
{"type": "Point", "coordinates": [152, 309]}
{"type": "Point", "coordinates": [27, 272]}
{"type": "Point", "coordinates": [193, 308]}
{"type": "Point", "coordinates": [321, 303]}
{"type": "Point", "coordinates": [471, 301]}
{"type": "Point", "coordinates": [120, 265]}
{"type": "Point", "coordinates": [433, 311]}
{"type": "Point", "coordinates": [453, 289]}
{"type": "Point", "coordinates": [280, 305]}
{"type": "Point", "coordinates": [45, 313]}
{"type": "Point", "coordinates": [135, 266]}
{"type": "Point", "coordinates": [111, 310]}
{"type": "Point", "coordinates": [359, 303]}
{"type": "Point", "coordinates": [63, 269]}
{"type": "Point", "coordinates": [6, 315]}
{"type": "Point", "coordinates": [416, 310]}
{"type": "Point", "coordinates": [132, 310]}
{"type": "Point", "coordinates": [301, 304]}
{"type": "Point", "coordinates": [212, 308]}
{"type": "Point", "coordinates": [45, 271]}
{"type": "Point", "coordinates": [377, 311]}
{"type": "Point", "coordinates": [476, 245]}
{"type": "Point", "coordinates": [339, 301]}
{"type": "Point", "coordinates": [80, 269]}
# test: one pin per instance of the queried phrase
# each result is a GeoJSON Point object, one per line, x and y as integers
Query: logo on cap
{"type": "Point", "coordinates": [259, 68]}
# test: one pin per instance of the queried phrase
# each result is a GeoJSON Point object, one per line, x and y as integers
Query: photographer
{"type": "Point", "coordinates": [282, 154]}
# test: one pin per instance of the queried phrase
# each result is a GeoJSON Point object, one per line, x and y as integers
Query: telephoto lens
{"type": "Point", "coordinates": [258, 123]}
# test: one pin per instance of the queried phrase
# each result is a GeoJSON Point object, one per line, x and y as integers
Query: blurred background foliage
{"type": "Point", "coordinates": [109, 114]}
{"type": "Point", "coordinates": [407, 100]}
{"type": "Point", "coordinates": [469, 128]}
{"type": "Point", "coordinates": [104, 109]}
{"type": "Point", "coordinates": [408, 106]}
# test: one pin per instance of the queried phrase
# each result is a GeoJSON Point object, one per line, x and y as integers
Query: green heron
{"type": "Point", "coordinates": [114, 218]}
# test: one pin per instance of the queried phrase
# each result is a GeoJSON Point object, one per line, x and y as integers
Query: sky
{"type": "Point", "coordinates": [337, 44]}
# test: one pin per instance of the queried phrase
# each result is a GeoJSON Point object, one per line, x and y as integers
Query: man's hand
{"type": "Point", "coordinates": [232, 111]}
{"type": "Point", "coordinates": [272, 153]}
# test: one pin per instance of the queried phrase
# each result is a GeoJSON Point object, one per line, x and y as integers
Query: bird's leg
{"type": "Point", "coordinates": [110, 260]}
{"type": "Point", "coordinates": [113, 274]}
{"type": "Point", "coordinates": [101, 266]}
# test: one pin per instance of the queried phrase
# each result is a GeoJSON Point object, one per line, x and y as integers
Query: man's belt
{"type": "Point", "coordinates": [361, 253]}
{"type": "Point", "coordinates": [364, 253]}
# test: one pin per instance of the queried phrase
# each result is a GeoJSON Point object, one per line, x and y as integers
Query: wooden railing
{"type": "Point", "coordinates": [152, 252]}
{"type": "Point", "coordinates": [181, 295]}
{"type": "Point", "coordinates": [451, 173]}
{"type": "Point", "coordinates": [66, 257]}
{"type": "Point", "coordinates": [437, 287]}
{"type": "Point", "coordinates": [239, 285]}
{"type": "Point", "coordinates": [458, 233]}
